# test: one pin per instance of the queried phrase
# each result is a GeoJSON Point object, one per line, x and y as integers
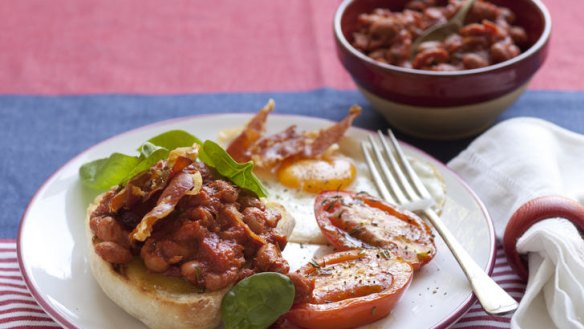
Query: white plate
{"type": "Point", "coordinates": [52, 246]}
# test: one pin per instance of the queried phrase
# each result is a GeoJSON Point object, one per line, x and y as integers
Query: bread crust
{"type": "Point", "coordinates": [153, 305]}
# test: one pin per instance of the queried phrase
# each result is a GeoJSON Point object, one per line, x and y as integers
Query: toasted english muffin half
{"type": "Point", "coordinates": [154, 299]}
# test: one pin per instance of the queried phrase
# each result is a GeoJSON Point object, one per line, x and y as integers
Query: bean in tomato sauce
{"type": "Point", "coordinates": [489, 36]}
{"type": "Point", "coordinates": [211, 239]}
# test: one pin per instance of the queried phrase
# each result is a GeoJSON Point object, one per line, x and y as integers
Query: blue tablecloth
{"type": "Point", "coordinates": [38, 134]}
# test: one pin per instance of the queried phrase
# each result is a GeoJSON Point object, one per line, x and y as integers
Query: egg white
{"type": "Point", "coordinates": [301, 204]}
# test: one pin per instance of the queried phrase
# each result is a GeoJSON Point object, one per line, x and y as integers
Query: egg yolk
{"type": "Point", "coordinates": [317, 175]}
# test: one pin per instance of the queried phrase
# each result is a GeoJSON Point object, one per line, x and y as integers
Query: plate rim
{"type": "Point", "coordinates": [63, 321]}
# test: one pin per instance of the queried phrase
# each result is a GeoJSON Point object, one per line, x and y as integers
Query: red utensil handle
{"type": "Point", "coordinates": [531, 212]}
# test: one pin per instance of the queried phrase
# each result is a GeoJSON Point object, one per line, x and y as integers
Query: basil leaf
{"type": "Point", "coordinates": [104, 173]}
{"type": "Point", "coordinates": [173, 139]}
{"type": "Point", "coordinates": [145, 163]}
{"type": "Point", "coordinates": [257, 301]}
{"type": "Point", "coordinates": [147, 149]}
{"type": "Point", "coordinates": [119, 168]}
{"type": "Point", "coordinates": [240, 174]}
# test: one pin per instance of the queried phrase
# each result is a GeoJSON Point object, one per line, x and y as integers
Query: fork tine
{"type": "Point", "coordinates": [396, 167]}
{"type": "Point", "coordinates": [411, 174]}
{"type": "Point", "coordinates": [381, 187]}
{"type": "Point", "coordinates": [389, 177]}
{"type": "Point", "coordinates": [414, 201]}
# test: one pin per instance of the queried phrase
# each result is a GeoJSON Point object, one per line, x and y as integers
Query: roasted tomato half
{"type": "Point", "coordinates": [348, 289]}
{"type": "Point", "coordinates": [358, 220]}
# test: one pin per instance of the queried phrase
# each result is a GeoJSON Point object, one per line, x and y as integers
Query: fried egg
{"type": "Point", "coordinates": [296, 185]}
{"type": "Point", "coordinates": [296, 182]}
{"type": "Point", "coordinates": [335, 172]}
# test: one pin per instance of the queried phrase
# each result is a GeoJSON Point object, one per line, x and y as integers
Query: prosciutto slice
{"type": "Point", "coordinates": [148, 183]}
{"type": "Point", "coordinates": [255, 128]}
{"type": "Point", "coordinates": [181, 184]}
{"type": "Point", "coordinates": [331, 135]}
{"type": "Point", "coordinates": [268, 151]}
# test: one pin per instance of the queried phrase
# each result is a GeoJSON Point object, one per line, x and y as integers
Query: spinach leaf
{"type": "Point", "coordinates": [240, 174]}
{"type": "Point", "coordinates": [146, 162]}
{"type": "Point", "coordinates": [119, 168]}
{"type": "Point", "coordinates": [147, 149]}
{"type": "Point", "coordinates": [104, 173]}
{"type": "Point", "coordinates": [257, 301]}
{"type": "Point", "coordinates": [172, 139]}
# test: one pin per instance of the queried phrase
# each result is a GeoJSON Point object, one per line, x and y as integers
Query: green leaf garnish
{"type": "Point", "coordinates": [173, 139]}
{"type": "Point", "coordinates": [104, 173]}
{"type": "Point", "coordinates": [257, 301]}
{"type": "Point", "coordinates": [147, 161]}
{"type": "Point", "coordinates": [119, 168]}
{"type": "Point", "coordinates": [240, 174]}
{"type": "Point", "coordinates": [148, 148]}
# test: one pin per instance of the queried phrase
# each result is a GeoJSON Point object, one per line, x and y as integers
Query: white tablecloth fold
{"type": "Point", "coordinates": [514, 162]}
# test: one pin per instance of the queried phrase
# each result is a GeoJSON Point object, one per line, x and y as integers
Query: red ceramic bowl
{"type": "Point", "coordinates": [442, 105]}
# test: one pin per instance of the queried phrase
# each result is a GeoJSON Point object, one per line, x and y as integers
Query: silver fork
{"type": "Point", "coordinates": [399, 184]}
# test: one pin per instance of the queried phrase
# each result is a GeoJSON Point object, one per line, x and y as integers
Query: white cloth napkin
{"type": "Point", "coordinates": [510, 164]}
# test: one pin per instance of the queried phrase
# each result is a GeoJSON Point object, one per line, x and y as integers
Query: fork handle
{"type": "Point", "coordinates": [492, 297]}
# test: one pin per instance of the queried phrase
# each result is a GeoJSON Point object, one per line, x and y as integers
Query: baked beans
{"type": "Point", "coordinates": [212, 239]}
{"type": "Point", "coordinates": [489, 36]}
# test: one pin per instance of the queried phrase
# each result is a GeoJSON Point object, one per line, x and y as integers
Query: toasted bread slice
{"type": "Point", "coordinates": [156, 300]}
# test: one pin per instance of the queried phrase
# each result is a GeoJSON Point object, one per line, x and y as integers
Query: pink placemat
{"type": "Point", "coordinates": [180, 46]}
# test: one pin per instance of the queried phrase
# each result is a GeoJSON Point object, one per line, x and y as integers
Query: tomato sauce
{"type": "Point", "coordinates": [211, 238]}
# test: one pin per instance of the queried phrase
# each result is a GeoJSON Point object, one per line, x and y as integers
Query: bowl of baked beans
{"type": "Point", "coordinates": [448, 88]}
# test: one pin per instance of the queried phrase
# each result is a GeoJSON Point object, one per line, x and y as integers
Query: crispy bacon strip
{"type": "Point", "coordinates": [143, 186]}
{"type": "Point", "coordinates": [268, 151]}
{"type": "Point", "coordinates": [331, 135]}
{"type": "Point", "coordinates": [178, 187]}
{"type": "Point", "coordinates": [240, 146]}
{"type": "Point", "coordinates": [181, 157]}
{"type": "Point", "coordinates": [140, 188]}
